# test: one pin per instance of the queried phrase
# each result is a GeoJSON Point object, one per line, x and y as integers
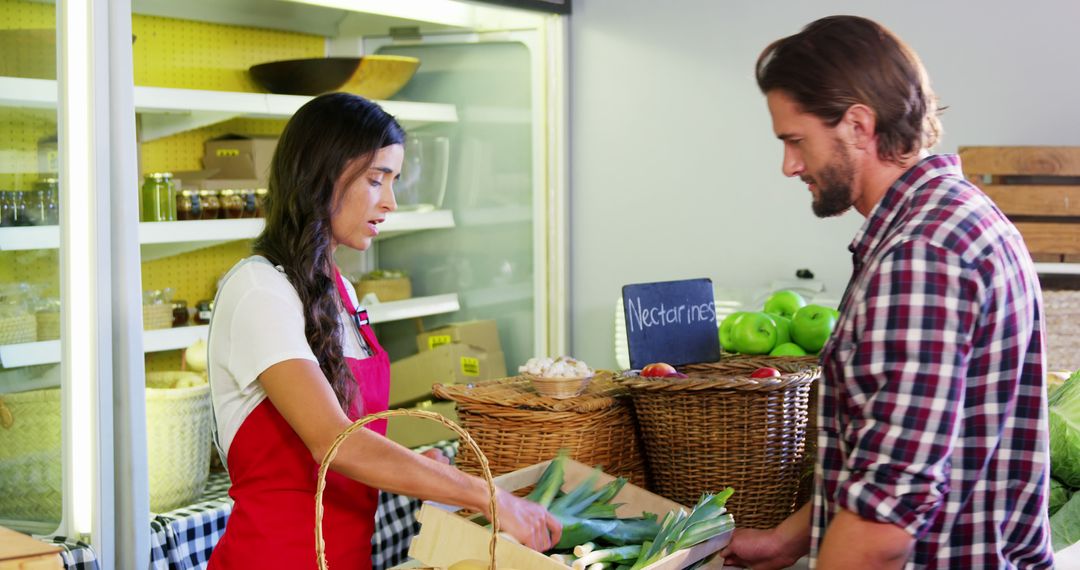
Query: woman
{"type": "Point", "coordinates": [293, 362]}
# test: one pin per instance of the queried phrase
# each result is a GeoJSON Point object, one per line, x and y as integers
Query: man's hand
{"type": "Point", "coordinates": [757, 549]}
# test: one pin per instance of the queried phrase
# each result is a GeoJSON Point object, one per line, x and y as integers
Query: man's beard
{"type": "Point", "coordinates": [834, 185]}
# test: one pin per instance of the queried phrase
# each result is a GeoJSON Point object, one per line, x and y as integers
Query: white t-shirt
{"type": "Point", "coordinates": [257, 322]}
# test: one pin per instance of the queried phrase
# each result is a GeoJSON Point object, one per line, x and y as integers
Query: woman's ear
{"type": "Point", "coordinates": [861, 122]}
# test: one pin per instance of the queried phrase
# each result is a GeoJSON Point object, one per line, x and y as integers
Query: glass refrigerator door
{"type": "Point", "coordinates": [495, 170]}
{"type": "Point", "coordinates": [31, 432]}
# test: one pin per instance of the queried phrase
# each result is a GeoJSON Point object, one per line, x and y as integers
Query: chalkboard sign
{"type": "Point", "coordinates": [672, 322]}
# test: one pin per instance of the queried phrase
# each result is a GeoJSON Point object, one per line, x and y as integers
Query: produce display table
{"type": "Point", "coordinates": [183, 539]}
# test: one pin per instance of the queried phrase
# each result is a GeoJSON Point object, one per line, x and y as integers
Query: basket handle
{"type": "Point", "coordinates": [320, 544]}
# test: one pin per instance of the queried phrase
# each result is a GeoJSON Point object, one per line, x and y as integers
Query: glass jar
{"type": "Point", "coordinates": [248, 196]}
{"type": "Point", "coordinates": [179, 313]}
{"type": "Point", "coordinates": [18, 214]}
{"type": "Point", "coordinates": [260, 202]}
{"type": "Point", "coordinates": [48, 200]}
{"type": "Point", "coordinates": [158, 198]}
{"type": "Point", "coordinates": [34, 209]}
{"type": "Point", "coordinates": [211, 205]}
{"type": "Point", "coordinates": [232, 204]}
{"type": "Point", "coordinates": [203, 310]}
{"type": "Point", "coordinates": [188, 205]}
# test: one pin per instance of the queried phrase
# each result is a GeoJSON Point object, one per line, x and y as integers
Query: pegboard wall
{"type": "Point", "coordinates": [167, 53]}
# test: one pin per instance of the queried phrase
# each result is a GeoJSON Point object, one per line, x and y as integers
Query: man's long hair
{"type": "Point", "coordinates": [840, 61]}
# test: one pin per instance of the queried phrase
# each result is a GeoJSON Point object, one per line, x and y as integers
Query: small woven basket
{"type": "Point", "coordinates": [48, 325]}
{"type": "Point", "coordinates": [520, 427]}
{"type": "Point", "coordinates": [31, 481]}
{"type": "Point", "coordinates": [157, 316]}
{"type": "Point", "coordinates": [18, 328]}
{"type": "Point", "coordinates": [721, 428]}
{"type": "Point", "coordinates": [324, 466]}
{"type": "Point", "coordinates": [1062, 309]}
{"type": "Point", "coordinates": [558, 388]}
{"type": "Point", "coordinates": [385, 289]}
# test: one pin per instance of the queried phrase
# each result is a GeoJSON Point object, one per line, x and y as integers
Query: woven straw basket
{"type": "Point", "coordinates": [16, 329]}
{"type": "Point", "coordinates": [1062, 309]}
{"type": "Point", "coordinates": [157, 316]}
{"type": "Point", "coordinates": [178, 435]}
{"type": "Point", "coordinates": [720, 428]}
{"type": "Point", "coordinates": [520, 427]}
{"type": "Point", "coordinates": [470, 443]}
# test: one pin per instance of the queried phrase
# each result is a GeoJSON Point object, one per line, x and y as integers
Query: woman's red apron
{"type": "Point", "coordinates": [272, 524]}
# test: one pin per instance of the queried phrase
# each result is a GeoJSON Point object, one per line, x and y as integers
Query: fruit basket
{"type": "Point", "coordinates": [719, 427]}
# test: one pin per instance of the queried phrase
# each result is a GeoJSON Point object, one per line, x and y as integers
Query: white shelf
{"type": "Point", "coordinates": [167, 111]}
{"type": "Point", "coordinates": [413, 308]}
{"type": "Point", "coordinates": [1058, 268]}
{"type": "Point", "coordinates": [48, 352]}
{"type": "Point", "coordinates": [164, 239]}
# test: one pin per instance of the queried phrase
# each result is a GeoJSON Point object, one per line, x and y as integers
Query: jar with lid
{"type": "Point", "coordinates": [211, 205]}
{"type": "Point", "coordinates": [18, 213]}
{"type": "Point", "coordinates": [158, 198]}
{"type": "Point", "coordinates": [188, 205]}
{"type": "Point", "coordinates": [203, 310]}
{"type": "Point", "coordinates": [48, 201]}
{"type": "Point", "coordinates": [260, 202]}
{"type": "Point", "coordinates": [6, 207]}
{"type": "Point", "coordinates": [232, 204]}
{"type": "Point", "coordinates": [248, 196]}
{"type": "Point", "coordinates": [179, 313]}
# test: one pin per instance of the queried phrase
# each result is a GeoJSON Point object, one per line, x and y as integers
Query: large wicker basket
{"type": "Point", "coordinates": [517, 427]}
{"type": "Point", "coordinates": [178, 436]}
{"type": "Point", "coordinates": [720, 428]}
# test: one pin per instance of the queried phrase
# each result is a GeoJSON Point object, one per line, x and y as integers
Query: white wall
{"type": "Point", "coordinates": [675, 170]}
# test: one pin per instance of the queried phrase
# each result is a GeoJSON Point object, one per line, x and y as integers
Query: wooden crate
{"type": "Point", "coordinates": [446, 537]}
{"type": "Point", "coordinates": [1038, 188]}
{"type": "Point", "coordinates": [20, 552]}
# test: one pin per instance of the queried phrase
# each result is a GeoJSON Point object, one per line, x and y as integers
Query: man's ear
{"type": "Point", "coordinates": [861, 123]}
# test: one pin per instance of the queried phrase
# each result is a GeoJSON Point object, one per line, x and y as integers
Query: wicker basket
{"type": "Point", "coordinates": [157, 316]}
{"type": "Point", "coordinates": [48, 325]}
{"type": "Point", "coordinates": [18, 328]}
{"type": "Point", "coordinates": [518, 427]}
{"type": "Point", "coordinates": [1062, 309]}
{"type": "Point", "coordinates": [720, 428]}
{"type": "Point", "coordinates": [470, 444]}
{"type": "Point", "coordinates": [178, 436]}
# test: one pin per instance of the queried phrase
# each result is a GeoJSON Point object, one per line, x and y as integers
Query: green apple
{"type": "Point", "coordinates": [811, 327]}
{"type": "Point", "coordinates": [788, 349]}
{"type": "Point", "coordinates": [754, 333]}
{"type": "Point", "coordinates": [726, 342]}
{"type": "Point", "coordinates": [783, 328]}
{"type": "Point", "coordinates": [784, 303]}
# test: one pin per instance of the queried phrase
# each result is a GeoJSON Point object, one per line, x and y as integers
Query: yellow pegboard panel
{"type": "Point", "coordinates": [20, 14]}
{"type": "Point", "coordinates": [198, 55]}
{"type": "Point", "coordinates": [193, 276]}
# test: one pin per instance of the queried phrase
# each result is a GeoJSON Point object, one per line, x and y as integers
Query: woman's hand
{"type": "Point", "coordinates": [526, 521]}
{"type": "Point", "coordinates": [437, 455]}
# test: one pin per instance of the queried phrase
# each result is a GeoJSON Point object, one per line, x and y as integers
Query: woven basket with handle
{"type": "Point", "coordinates": [518, 426]}
{"type": "Point", "coordinates": [320, 544]}
{"type": "Point", "coordinates": [721, 428]}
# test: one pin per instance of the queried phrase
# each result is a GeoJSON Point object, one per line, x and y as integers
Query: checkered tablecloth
{"type": "Point", "coordinates": [183, 539]}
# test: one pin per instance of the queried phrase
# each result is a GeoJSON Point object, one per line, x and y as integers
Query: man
{"type": "Point", "coordinates": [933, 442]}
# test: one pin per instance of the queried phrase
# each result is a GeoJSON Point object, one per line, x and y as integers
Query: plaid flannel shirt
{"type": "Point", "coordinates": [932, 410]}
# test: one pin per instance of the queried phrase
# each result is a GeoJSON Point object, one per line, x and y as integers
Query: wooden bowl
{"type": "Point", "coordinates": [371, 76]}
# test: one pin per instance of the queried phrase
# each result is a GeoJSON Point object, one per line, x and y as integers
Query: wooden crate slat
{"type": "Point", "coordinates": [1021, 160]}
{"type": "Point", "coordinates": [1051, 237]}
{"type": "Point", "coordinates": [1031, 200]}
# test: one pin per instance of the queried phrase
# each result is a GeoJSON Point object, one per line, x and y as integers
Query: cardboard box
{"type": "Point", "coordinates": [481, 334]}
{"type": "Point", "coordinates": [239, 157]}
{"type": "Point", "coordinates": [446, 537]}
{"type": "Point", "coordinates": [412, 377]}
{"type": "Point", "coordinates": [414, 432]}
